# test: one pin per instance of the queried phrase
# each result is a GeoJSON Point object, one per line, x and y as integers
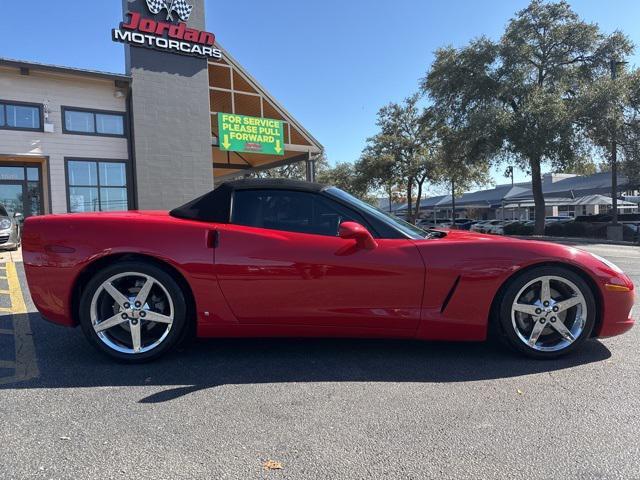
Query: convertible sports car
{"type": "Point", "coordinates": [266, 258]}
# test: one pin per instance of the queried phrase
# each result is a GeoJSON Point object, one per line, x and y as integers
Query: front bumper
{"type": "Point", "coordinates": [9, 239]}
{"type": "Point", "coordinates": [617, 308]}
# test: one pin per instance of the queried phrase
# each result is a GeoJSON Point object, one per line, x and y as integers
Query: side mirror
{"type": "Point", "coordinates": [18, 216]}
{"type": "Point", "coordinates": [355, 231]}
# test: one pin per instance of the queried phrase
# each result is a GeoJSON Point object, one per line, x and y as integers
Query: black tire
{"type": "Point", "coordinates": [178, 327]}
{"type": "Point", "coordinates": [508, 332]}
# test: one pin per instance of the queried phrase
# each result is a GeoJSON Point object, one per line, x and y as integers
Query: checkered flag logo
{"type": "Point", "coordinates": [181, 7]}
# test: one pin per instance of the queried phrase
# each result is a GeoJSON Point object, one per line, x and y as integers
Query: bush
{"type": "Point", "coordinates": [518, 229]}
{"type": "Point", "coordinates": [575, 229]}
{"type": "Point", "coordinates": [554, 230]}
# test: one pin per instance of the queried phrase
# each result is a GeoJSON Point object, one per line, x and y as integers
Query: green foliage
{"type": "Point", "coordinates": [344, 176]}
{"type": "Point", "coordinates": [401, 154]}
{"type": "Point", "coordinates": [294, 171]}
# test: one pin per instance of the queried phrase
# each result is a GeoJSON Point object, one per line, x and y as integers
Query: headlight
{"type": "Point", "coordinates": [609, 264]}
{"type": "Point", "coordinates": [5, 223]}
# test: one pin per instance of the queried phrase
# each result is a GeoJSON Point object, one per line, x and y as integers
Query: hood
{"type": "Point", "coordinates": [469, 236]}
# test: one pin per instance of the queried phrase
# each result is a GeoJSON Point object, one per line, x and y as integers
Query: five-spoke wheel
{"type": "Point", "coordinates": [132, 311]}
{"type": "Point", "coordinates": [547, 311]}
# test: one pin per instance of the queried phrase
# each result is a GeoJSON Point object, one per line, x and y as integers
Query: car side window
{"type": "Point", "coordinates": [292, 211]}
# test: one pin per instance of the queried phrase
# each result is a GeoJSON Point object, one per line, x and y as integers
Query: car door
{"type": "Point", "coordinates": [280, 262]}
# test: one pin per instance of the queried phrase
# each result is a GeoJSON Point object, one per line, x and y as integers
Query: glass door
{"type": "Point", "coordinates": [21, 189]}
{"type": "Point", "coordinates": [11, 196]}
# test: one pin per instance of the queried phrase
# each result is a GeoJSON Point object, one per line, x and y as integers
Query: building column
{"type": "Point", "coordinates": [311, 169]}
{"type": "Point", "coordinates": [171, 119]}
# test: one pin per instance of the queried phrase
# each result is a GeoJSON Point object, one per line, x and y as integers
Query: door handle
{"type": "Point", "coordinates": [213, 239]}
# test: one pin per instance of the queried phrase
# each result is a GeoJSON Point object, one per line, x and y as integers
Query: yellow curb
{"type": "Point", "coordinates": [17, 300]}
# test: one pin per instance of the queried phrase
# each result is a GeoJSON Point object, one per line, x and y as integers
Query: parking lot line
{"type": "Point", "coordinates": [25, 364]}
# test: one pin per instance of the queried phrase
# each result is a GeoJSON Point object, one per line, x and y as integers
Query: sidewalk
{"type": "Point", "coordinates": [11, 256]}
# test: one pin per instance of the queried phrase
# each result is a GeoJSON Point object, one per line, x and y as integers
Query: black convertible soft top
{"type": "Point", "coordinates": [215, 206]}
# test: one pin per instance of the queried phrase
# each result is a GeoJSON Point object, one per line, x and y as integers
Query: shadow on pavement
{"type": "Point", "coordinates": [66, 360]}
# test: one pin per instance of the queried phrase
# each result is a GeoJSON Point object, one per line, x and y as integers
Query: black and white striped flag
{"type": "Point", "coordinates": [181, 7]}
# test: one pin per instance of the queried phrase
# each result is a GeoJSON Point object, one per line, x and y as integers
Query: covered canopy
{"type": "Point", "coordinates": [233, 90]}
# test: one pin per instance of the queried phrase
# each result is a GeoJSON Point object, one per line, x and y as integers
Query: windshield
{"type": "Point", "coordinates": [405, 227]}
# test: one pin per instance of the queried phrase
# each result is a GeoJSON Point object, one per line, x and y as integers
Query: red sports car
{"type": "Point", "coordinates": [267, 258]}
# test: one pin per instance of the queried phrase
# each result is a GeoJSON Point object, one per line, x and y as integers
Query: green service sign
{"type": "Point", "coordinates": [239, 133]}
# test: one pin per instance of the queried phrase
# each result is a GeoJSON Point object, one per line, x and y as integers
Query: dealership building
{"type": "Point", "coordinates": [184, 116]}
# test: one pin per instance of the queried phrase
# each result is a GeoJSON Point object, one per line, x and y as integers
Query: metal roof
{"type": "Point", "coordinates": [577, 186]}
{"type": "Point", "coordinates": [585, 200]}
{"type": "Point", "coordinates": [43, 67]}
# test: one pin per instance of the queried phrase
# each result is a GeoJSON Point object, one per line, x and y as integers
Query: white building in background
{"type": "Point", "coordinates": [565, 195]}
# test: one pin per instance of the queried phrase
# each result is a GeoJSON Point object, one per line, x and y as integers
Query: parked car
{"type": "Point", "coordinates": [463, 223]}
{"type": "Point", "coordinates": [480, 226]}
{"type": "Point", "coordinates": [10, 229]}
{"type": "Point", "coordinates": [305, 260]}
{"type": "Point", "coordinates": [428, 223]}
{"type": "Point", "coordinates": [495, 227]}
{"type": "Point", "coordinates": [555, 219]}
{"type": "Point", "coordinates": [632, 230]}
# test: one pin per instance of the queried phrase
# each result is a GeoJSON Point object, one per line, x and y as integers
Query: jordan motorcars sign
{"type": "Point", "coordinates": [167, 36]}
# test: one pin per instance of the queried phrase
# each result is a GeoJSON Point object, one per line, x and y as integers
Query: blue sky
{"type": "Point", "coordinates": [331, 63]}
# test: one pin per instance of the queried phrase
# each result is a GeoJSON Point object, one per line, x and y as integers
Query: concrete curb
{"type": "Point", "coordinates": [580, 240]}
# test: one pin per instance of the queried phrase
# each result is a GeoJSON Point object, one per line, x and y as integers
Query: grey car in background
{"type": "Point", "coordinates": [10, 229]}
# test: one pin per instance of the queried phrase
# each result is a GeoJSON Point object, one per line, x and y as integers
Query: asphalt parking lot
{"type": "Point", "coordinates": [319, 409]}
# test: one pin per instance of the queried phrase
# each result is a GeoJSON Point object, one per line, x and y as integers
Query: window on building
{"type": "Point", "coordinates": [18, 116]}
{"type": "Point", "coordinates": [566, 211]}
{"type": "Point", "coordinates": [87, 122]}
{"type": "Point", "coordinates": [302, 212]}
{"type": "Point", "coordinates": [97, 186]}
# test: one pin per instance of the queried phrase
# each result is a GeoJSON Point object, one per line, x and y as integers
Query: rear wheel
{"type": "Point", "coordinates": [547, 312]}
{"type": "Point", "coordinates": [133, 311]}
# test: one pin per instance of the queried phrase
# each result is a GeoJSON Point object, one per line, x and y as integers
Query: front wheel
{"type": "Point", "coordinates": [547, 312]}
{"type": "Point", "coordinates": [133, 311]}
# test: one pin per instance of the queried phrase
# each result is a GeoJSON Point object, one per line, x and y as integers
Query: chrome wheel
{"type": "Point", "coordinates": [549, 313]}
{"type": "Point", "coordinates": [132, 312]}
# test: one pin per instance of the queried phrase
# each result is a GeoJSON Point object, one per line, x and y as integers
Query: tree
{"type": "Point", "coordinates": [377, 170]}
{"type": "Point", "coordinates": [294, 171]}
{"type": "Point", "coordinates": [461, 161]}
{"type": "Point", "coordinates": [404, 151]}
{"type": "Point", "coordinates": [344, 176]}
{"type": "Point", "coordinates": [611, 116]}
{"type": "Point", "coordinates": [631, 140]}
{"type": "Point", "coordinates": [528, 86]}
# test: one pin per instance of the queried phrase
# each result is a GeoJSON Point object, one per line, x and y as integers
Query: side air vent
{"type": "Point", "coordinates": [450, 294]}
